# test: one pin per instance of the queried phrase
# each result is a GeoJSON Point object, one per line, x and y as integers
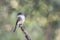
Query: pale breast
{"type": "Point", "coordinates": [22, 19]}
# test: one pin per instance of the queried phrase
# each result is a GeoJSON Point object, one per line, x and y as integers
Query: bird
{"type": "Point", "coordinates": [20, 20]}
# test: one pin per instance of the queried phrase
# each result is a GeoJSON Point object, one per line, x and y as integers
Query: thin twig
{"type": "Point", "coordinates": [25, 32]}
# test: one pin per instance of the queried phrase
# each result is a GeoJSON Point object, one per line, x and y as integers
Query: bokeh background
{"type": "Point", "coordinates": [42, 19]}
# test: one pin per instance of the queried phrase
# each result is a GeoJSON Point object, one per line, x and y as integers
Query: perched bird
{"type": "Point", "coordinates": [20, 20]}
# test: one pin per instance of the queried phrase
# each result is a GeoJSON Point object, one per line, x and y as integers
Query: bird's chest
{"type": "Point", "coordinates": [22, 19]}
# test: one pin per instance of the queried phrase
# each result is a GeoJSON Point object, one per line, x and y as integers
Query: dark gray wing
{"type": "Point", "coordinates": [18, 19]}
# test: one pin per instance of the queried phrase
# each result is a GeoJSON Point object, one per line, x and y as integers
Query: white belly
{"type": "Point", "coordinates": [22, 19]}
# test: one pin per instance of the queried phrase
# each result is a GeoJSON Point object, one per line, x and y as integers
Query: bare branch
{"type": "Point", "coordinates": [25, 32]}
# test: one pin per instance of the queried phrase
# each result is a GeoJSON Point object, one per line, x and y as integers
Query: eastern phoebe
{"type": "Point", "coordinates": [20, 20]}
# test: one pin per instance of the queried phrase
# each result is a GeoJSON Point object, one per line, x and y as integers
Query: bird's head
{"type": "Point", "coordinates": [20, 13]}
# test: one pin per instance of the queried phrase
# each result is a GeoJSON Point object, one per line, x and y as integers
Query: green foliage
{"type": "Point", "coordinates": [36, 18]}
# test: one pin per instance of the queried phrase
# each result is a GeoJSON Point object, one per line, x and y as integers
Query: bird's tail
{"type": "Point", "coordinates": [14, 29]}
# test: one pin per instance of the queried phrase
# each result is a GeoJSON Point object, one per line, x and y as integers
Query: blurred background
{"type": "Point", "coordinates": [42, 19]}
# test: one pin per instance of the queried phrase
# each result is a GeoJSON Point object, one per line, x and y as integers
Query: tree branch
{"type": "Point", "coordinates": [25, 32]}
